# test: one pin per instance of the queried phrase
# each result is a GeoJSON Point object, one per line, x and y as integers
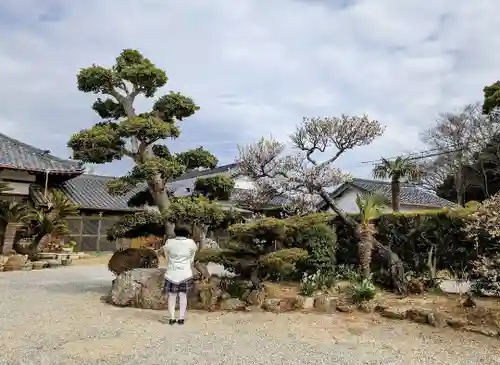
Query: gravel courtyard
{"type": "Point", "coordinates": [55, 317]}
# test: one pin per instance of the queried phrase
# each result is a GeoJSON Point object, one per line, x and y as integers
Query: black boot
{"type": "Point", "coordinates": [172, 321]}
{"type": "Point", "coordinates": [180, 321]}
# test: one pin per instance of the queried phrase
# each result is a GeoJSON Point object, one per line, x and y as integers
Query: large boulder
{"type": "Point", "coordinates": [132, 258]}
{"type": "Point", "coordinates": [140, 288]}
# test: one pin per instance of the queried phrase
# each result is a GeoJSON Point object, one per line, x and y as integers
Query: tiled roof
{"type": "Point", "coordinates": [91, 192]}
{"type": "Point", "coordinates": [18, 155]}
{"type": "Point", "coordinates": [197, 173]}
{"type": "Point", "coordinates": [410, 194]}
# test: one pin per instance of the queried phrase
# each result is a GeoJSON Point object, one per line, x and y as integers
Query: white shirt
{"type": "Point", "coordinates": [179, 252]}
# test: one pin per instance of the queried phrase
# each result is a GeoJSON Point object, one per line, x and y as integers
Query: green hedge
{"type": "Point", "coordinates": [412, 235]}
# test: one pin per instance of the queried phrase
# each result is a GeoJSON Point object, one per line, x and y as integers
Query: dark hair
{"type": "Point", "coordinates": [182, 231]}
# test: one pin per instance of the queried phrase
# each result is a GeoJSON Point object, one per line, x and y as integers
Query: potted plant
{"type": "Point", "coordinates": [69, 247]}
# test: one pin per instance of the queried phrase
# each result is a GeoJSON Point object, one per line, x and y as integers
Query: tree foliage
{"type": "Point", "coordinates": [303, 180]}
{"type": "Point", "coordinates": [491, 97]}
{"type": "Point", "coordinates": [399, 170]}
{"type": "Point", "coordinates": [126, 133]}
{"type": "Point", "coordinates": [256, 251]}
{"type": "Point", "coordinates": [456, 138]}
{"type": "Point", "coordinates": [485, 220]}
{"type": "Point", "coordinates": [299, 176]}
{"type": "Point", "coordinates": [483, 175]}
{"type": "Point", "coordinates": [218, 187]}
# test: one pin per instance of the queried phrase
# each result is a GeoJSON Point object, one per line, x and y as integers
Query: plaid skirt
{"type": "Point", "coordinates": [182, 287]}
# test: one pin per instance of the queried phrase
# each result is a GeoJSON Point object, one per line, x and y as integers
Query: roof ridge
{"type": "Point", "coordinates": [36, 150]}
{"type": "Point", "coordinates": [373, 181]}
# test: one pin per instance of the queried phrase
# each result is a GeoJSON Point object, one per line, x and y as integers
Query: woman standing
{"type": "Point", "coordinates": [179, 252]}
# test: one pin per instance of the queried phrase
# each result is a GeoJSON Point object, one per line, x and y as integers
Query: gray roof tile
{"type": "Point", "coordinates": [18, 155]}
{"type": "Point", "coordinates": [410, 194]}
{"type": "Point", "coordinates": [91, 192]}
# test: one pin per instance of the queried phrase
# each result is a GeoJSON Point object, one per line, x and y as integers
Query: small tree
{"type": "Point", "coordinates": [256, 251]}
{"type": "Point", "coordinates": [484, 219]}
{"type": "Point", "coordinates": [398, 170]}
{"type": "Point", "coordinates": [125, 133]}
{"type": "Point", "coordinates": [370, 209]}
{"type": "Point", "coordinates": [299, 176]}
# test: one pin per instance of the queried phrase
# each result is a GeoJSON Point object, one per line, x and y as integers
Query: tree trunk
{"type": "Point", "coordinates": [460, 187]}
{"type": "Point", "coordinates": [162, 201]}
{"type": "Point", "coordinates": [396, 267]}
{"type": "Point", "coordinates": [395, 194]}
{"type": "Point", "coordinates": [157, 187]}
{"type": "Point", "coordinates": [254, 278]}
{"type": "Point", "coordinates": [365, 248]}
{"type": "Point", "coordinates": [35, 244]}
{"type": "Point", "coordinates": [199, 234]}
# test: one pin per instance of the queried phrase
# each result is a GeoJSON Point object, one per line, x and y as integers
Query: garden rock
{"type": "Point", "coordinates": [140, 288]}
{"type": "Point", "coordinates": [256, 297]}
{"type": "Point", "coordinates": [418, 315]}
{"type": "Point", "coordinates": [325, 303]}
{"type": "Point", "coordinates": [209, 295]}
{"type": "Point", "coordinates": [15, 262]}
{"type": "Point", "coordinates": [482, 331]}
{"type": "Point", "coordinates": [271, 305]}
{"type": "Point", "coordinates": [53, 263]}
{"type": "Point", "coordinates": [232, 304]}
{"type": "Point", "coordinates": [38, 265]}
{"type": "Point", "coordinates": [287, 304]}
{"type": "Point", "coordinates": [456, 323]}
{"type": "Point", "coordinates": [344, 308]}
{"type": "Point", "coordinates": [393, 313]}
{"type": "Point", "coordinates": [366, 307]}
{"type": "Point", "coordinates": [302, 302]}
{"type": "Point", "coordinates": [436, 319]}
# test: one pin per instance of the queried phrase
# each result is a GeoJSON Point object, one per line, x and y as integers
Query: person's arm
{"type": "Point", "coordinates": [193, 254]}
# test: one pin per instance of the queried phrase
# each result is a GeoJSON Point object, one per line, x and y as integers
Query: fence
{"type": "Point", "coordinates": [89, 233]}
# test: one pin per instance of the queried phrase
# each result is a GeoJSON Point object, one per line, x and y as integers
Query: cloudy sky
{"type": "Point", "coordinates": [255, 67]}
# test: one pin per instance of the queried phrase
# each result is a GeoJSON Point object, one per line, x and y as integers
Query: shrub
{"type": "Point", "coordinates": [362, 291]}
{"type": "Point", "coordinates": [486, 275]}
{"type": "Point", "coordinates": [320, 242]}
{"type": "Point", "coordinates": [317, 281]}
{"type": "Point", "coordinates": [426, 242]}
{"type": "Point", "coordinates": [256, 251]}
{"type": "Point", "coordinates": [308, 285]}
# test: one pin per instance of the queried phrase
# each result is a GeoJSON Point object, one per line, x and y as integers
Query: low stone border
{"type": "Point", "coordinates": [328, 304]}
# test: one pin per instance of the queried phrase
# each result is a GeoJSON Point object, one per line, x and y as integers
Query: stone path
{"type": "Point", "coordinates": [55, 317]}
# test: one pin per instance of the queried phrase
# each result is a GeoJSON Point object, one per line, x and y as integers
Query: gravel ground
{"type": "Point", "coordinates": [55, 317]}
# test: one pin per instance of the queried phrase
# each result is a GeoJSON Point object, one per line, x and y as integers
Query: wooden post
{"type": "Point", "coordinates": [99, 224]}
{"type": "Point", "coordinates": [80, 236]}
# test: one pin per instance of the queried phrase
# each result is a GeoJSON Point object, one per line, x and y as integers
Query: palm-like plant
{"type": "Point", "coordinates": [43, 223]}
{"type": "Point", "coordinates": [12, 212]}
{"type": "Point", "coordinates": [370, 208]}
{"type": "Point", "coordinates": [60, 206]}
{"type": "Point", "coordinates": [399, 169]}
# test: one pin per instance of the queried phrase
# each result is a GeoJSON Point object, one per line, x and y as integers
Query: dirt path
{"type": "Point", "coordinates": [55, 317]}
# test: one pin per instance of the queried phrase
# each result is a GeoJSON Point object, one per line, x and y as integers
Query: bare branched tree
{"type": "Point", "coordinates": [302, 178]}
{"type": "Point", "coordinates": [462, 135]}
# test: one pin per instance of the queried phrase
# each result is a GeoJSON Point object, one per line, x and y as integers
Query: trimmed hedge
{"type": "Point", "coordinates": [414, 236]}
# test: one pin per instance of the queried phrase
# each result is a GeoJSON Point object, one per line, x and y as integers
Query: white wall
{"type": "Point", "coordinates": [347, 201]}
{"type": "Point", "coordinates": [181, 187]}
{"type": "Point", "coordinates": [21, 184]}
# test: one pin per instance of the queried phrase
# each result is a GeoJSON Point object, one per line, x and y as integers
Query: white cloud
{"type": "Point", "coordinates": [255, 67]}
